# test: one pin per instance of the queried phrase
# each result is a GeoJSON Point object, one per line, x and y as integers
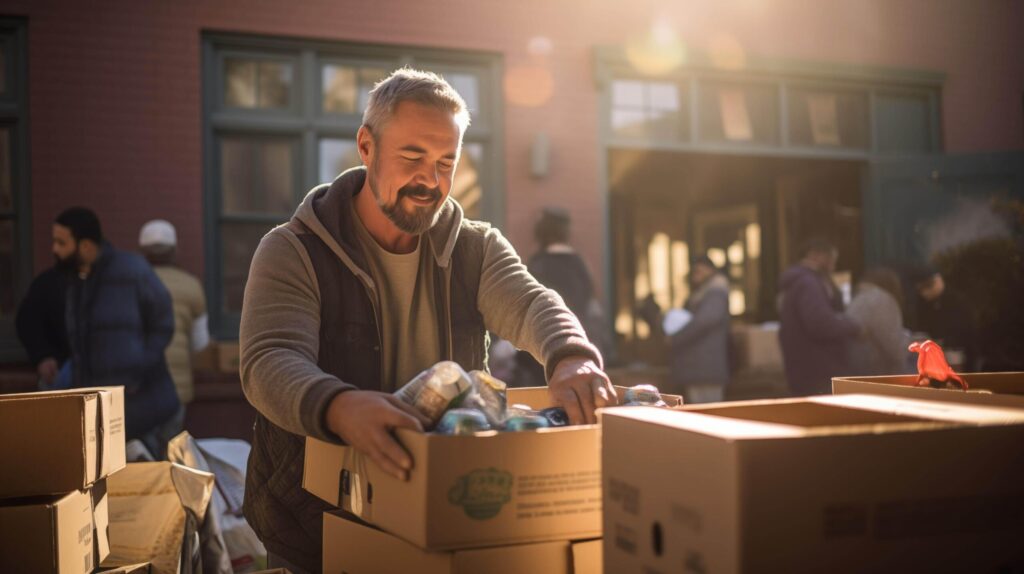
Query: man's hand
{"type": "Point", "coordinates": [365, 420]}
{"type": "Point", "coordinates": [579, 386]}
{"type": "Point", "coordinates": [47, 370]}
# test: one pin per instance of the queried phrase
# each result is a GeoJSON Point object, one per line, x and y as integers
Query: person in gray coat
{"type": "Point", "coordinates": [697, 336]}
{"type": "Point", "coordinates": [881, 349]}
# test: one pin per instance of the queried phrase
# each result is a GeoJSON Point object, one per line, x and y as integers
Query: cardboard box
{"type": "Point", "coordinates": [492, 489]}
{"type": "Point", "coordinates": [228, 356]}
{"type": "Point", "coordinates": [58, 441]}
{"type": "Point", "coordinates": [852, 483]}
{"type": "Point", "coordinates": [142, 568]}
{"type": "Point", "coordinates": [64, 534]}
{"type": "Point", "coordinates": [148, 520]}
{"type": "Point", "coordinates": [351, 548]}
{"type": "Point", "coordinates": [757, 348]}
{"type": "Point", "coordinates": [993, 389]}
{"type": "Point", "coordinates": [206, 360]}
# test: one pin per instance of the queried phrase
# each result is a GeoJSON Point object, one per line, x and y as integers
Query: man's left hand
{"type": "Point", "coordinates": [579, 386]}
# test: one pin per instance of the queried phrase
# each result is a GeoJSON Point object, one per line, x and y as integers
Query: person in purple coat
{"type": "Point", "coordinates": [814, 334]}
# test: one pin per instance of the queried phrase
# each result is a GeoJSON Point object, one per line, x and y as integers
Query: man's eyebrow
{"type": "Point", "coordinates": [413, 148]}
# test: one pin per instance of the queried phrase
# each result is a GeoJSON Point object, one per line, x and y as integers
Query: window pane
{"type": "Point", "coordinates": [828, 118]}
{"type": "Point", "coordinates": [346, 89]}
{"type": "Point", "coordinates": [467, 188]}
{"type": "Point", "coordinates": [257, 175]}
{"type": "Point", "coordinates": [239, 83]}
{"type": "Point", "coordinates": [7, 253]}
{"type": "Point", "coordinates": [734, 112]}
{"type": "Point", "coordinates": [262, 84]}
{"type": "Point", "coordinates": [275, 81]}
{"type": "Point", "coordinates": [238, 241]}
{"type": "Point", "coordinates": [468, 87]}
{"type": "Point", "coordinates": [368, 77]}
{"type": "Point", "coordinates": [339, 89]}
{"type": "Point", "coordinates": [903, 123]}
{"type": "Point", "coordinates": [649, 110]}
{"type": "Point", "coordinates": [6, 193]}
{"type": "Point", "coordinates": [627, 94]}
{"type": "Point", "coordinates": [337, 155]}
{"type": "Point", "coordinates": [664, 96]}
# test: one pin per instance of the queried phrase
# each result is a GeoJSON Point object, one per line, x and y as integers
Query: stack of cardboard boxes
{"type": "Point", "coordinates": [496, 502]}
{"type": "Point", "coordinates": [57, 450]}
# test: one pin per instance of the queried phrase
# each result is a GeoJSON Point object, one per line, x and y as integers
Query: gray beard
{"type": "Point", "coordinates": [418, 222]}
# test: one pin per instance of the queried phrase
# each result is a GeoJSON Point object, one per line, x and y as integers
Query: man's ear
{"type": "Point", "coordinates": [366, 145]}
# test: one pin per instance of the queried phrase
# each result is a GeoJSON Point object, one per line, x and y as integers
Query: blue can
{"type": "Point", "coordinates": [462, 422]}
{"type": "Point", "coordinates": [526, 423]}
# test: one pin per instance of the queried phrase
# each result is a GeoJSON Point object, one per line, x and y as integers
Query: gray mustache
{"type": "Point", "coordinates": [434, 193]}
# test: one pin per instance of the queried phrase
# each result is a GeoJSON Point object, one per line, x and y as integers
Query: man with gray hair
{"type": "Point", "coordinates": [376, 277]}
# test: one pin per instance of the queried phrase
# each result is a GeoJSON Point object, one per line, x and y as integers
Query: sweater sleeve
{"type": "Point", "coordinates": [516, 307]}
{"type": "Point", "coordinates": [279, 339]}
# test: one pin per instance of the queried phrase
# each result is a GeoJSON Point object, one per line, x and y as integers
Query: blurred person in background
{"type": "Point", "coordinates": [40, 325]}
{"type": "Point", "coordinates": [881, 348]}
{"type": "Point", "coordinates": [697, 337]}
{"type": "Point", "coordinates": [558, 266]}
{"type": "Point", "coordinates": [814, 334]}
{"type": "Point", "coordinates": [158, 241]}
{"type": "Point", "coordinates": [119, 321]}
{"type": "Point", "coordinates": [945, 315]}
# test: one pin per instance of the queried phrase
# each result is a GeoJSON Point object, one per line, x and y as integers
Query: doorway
{"type": "Point", "coordinates": [749, 214]}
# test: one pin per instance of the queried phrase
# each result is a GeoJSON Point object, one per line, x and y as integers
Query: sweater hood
{"type": "Point", "coordinates": [327, 212]}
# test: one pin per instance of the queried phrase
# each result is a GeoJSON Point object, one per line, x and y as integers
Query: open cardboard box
{"type": "Point", "coordinates": [851, 483]}
{"type": "Point", "coordinates": [58, 441]}
{"type": "Point", "coordinates": [64, 534]}
{"type": "Point", "coordinates": [995, 389]}
{"type": "Point", "coordinates": [491, 489]}
{"type": "Point", "coordinates": [351, 548]}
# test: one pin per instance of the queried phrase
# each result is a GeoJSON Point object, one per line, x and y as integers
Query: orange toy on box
{"type": "Point", "coordinates": [932, 368]}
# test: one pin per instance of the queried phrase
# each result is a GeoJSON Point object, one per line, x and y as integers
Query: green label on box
{"type": "Point", "coordinates": [482, 492]}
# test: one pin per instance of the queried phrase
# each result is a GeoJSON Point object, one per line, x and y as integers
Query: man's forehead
{"type": "Point", "coordinates": [415, 124]}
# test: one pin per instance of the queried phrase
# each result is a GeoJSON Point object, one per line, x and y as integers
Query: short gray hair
{"type": "Point", "coordinates": [409, 85]}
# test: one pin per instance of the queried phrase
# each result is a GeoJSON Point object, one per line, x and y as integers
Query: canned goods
{"type": "Point", "coordinates": [462, 422]}
{"type": "Point", "coordinates": [488, 395]}
{"type": "Point", "coordinates": [556, 416]}
{"type": "Point", "coordinates": [643, 395]}
{"type": "Point", "coordinates": [437, 389]}
{"type": "Point", "coordinates": [522, 423]}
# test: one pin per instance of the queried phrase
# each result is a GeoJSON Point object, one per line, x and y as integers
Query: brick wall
{"type": "Point", "coordinates": [116, 107]}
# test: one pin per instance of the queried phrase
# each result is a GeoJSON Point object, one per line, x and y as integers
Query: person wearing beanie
{"type": "Point", "coordinates": [158, 241]}
{"type": "Point", "coordinates": [119, 322]}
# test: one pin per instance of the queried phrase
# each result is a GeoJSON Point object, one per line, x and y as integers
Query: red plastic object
{"type": "Point", "coordinates": [932, 366]}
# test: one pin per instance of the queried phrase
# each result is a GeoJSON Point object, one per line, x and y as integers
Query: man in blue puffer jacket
{"type": "Point", "coordinates": [119, 321]}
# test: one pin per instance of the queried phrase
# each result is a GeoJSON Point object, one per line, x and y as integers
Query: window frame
{"type": "Point", "coordinates": [14, 113]}
{"type": "Point", "coordinates": [306, 120]}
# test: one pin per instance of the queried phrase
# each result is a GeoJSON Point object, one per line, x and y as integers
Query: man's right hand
{"type": "Point", "coordinates": [365, 421]}
{"type": "Point", "coordinates": [47, 370]}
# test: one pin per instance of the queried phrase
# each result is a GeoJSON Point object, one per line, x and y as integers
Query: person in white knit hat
{"type": "Point", "coordinates": [158, 241]}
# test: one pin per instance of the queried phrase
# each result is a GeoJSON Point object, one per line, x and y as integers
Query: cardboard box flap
{"type": "Point", "coordinates": [538, 397]}
{"type": "Point", "coordinates": [934, 410]}
{"type": "Point", "coordinates": [709, 424]}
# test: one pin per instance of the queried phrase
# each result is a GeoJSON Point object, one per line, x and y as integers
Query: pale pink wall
{"type": "Point", "coordinates": [115, 85]}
